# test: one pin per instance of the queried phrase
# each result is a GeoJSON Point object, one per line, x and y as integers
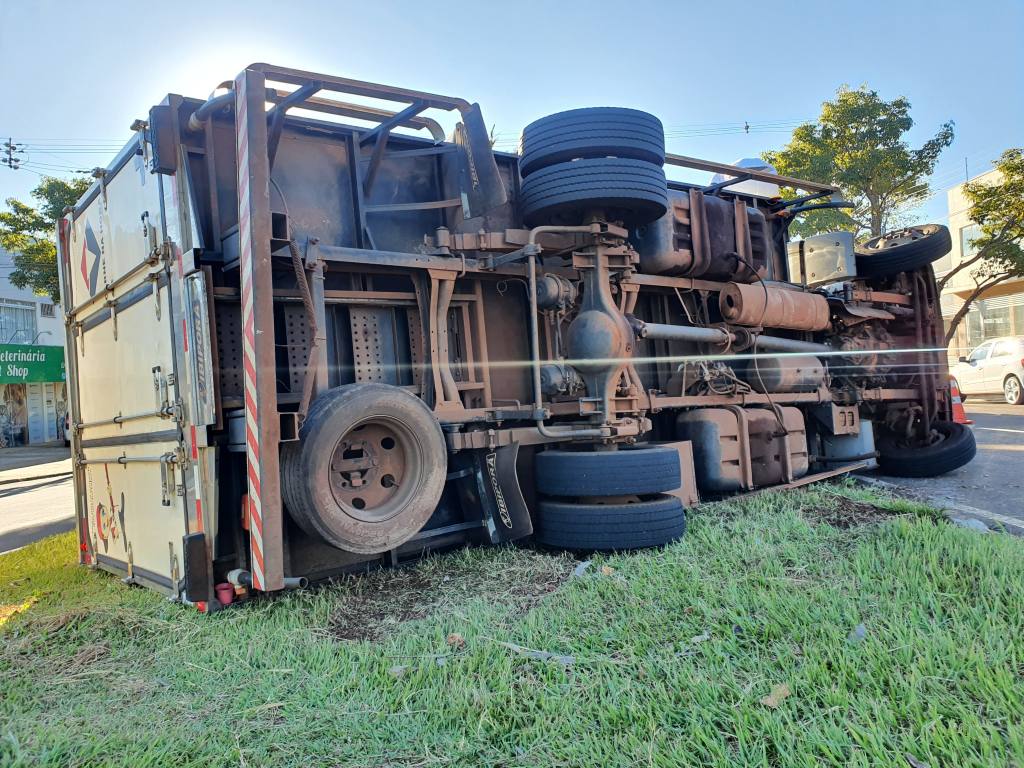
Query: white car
{"type": "Point", "coordinates": [996, 366]}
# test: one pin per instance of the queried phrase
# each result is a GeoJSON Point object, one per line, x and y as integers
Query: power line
{"type": "Point", "coordinates": [50, 151]}
{"type": "Point", "coordinates": [74, 142]}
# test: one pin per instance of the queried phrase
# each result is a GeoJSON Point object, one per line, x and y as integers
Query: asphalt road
{"type": "Point", "coordinates": [32, 509]}
{"type": "Point", "coordinates": [994, 481]}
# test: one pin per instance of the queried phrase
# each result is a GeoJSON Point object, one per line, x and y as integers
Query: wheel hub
{"type": "Point", "coordinates": [369, 469]}
{"type": "Point", "coordinates": [1011, 389]}
{"type": "Point", "coordinates": [898, 237]}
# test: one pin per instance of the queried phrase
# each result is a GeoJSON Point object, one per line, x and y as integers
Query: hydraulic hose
{"type": "Point", "coordinates": [314, 346]}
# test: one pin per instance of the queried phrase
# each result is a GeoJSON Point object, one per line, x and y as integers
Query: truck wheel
{"type": "Point", "coordinates": [368, 468]}
{"type": "Point", "coordinates": [629, 471]}
{"type": "Point", "coordinates": [634, 191]}
{"type": "Point", "coordinates": [609, 527]}
{"type": "Point", "coordinates": [953, 448]}
{"type": "Point", "coordinates": [902, 250]}
{"type": "Point", "coordinates": [1012, 390]}
{"type": "Point", "coordinates": [593, 132]}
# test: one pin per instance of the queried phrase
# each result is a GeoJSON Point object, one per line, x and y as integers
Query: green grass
{"type": "Point", "coordinates": [672, 652]}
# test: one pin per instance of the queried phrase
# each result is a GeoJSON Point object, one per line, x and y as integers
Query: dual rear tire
{"type": "Point", "coordinates": [607, 501]}
{"type": "Point", "coordinates": [604, 159]}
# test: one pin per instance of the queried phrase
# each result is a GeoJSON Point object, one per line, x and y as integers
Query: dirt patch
{"type": "Point", "coordinates": [841, 512]}
{"type": "Point", "coordinates": [378, 602]}
{"type": "Point", "coordinates": [47, 625]}
{"type": "Point", "coordinates": [371, 607]}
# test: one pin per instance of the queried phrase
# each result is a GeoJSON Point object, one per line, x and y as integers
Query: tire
{"type": "Point", "coordinates": [1013, 392]}
{"type": "Point", "coordinates": [903, 250]}
{"type": "Point", "coordinates": [631, 190]}
{"type": "Point", "coordinates": [610, 527]}
{"type": "Point", "coordinates": [634, 471]}
{"type": "Point", "coordinates": [956, 448]}
{"type": "Point", "coordinates": [368, 469]}
{"type": "Point", "coordinates": [590, 133]}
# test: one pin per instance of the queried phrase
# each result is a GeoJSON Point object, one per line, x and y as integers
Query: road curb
{"type": "Point", "coordinates": [953, 509]}
{"type": "Point", "coordinates": [11, 481]}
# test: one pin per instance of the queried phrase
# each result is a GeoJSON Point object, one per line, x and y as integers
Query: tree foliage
{"type": "Point", "coordinates": [858, 145]}
{"type": "Point", "coordinates": [998, 209]}
{"type": "Point", "coordinates": [28, 233]}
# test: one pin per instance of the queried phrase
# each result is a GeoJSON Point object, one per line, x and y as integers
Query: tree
{"type": "Point", "coordinates": [28, 233]}
{"type": "Point", "coordinates": [998, 209]}
{"type": "Point", "coordinates": [858, 146]}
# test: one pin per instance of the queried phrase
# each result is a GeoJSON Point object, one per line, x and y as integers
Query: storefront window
{"type": "Point", "coordinates": [13, 415]}
{"type": "Point", "coordinates": [997, 321]}
{"type": "Point", "coordinates": [1018, 315]}
{"type": "Point", "coordinates": [988, 319]}
{"type": "Point", "coordinates": [975, 327]}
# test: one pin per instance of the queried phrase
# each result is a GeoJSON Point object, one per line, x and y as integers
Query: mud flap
{"type": "Point", "coordinates": [482, 185]}
{"type": "Point", "coordinates": [489, 483]}
{"type": "Point", "coordinates": [162, 135]}
{"type": "Point", "coordinates": [197, 568]}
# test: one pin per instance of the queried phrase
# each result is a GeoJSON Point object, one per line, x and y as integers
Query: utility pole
{"type": "Point", "coordinates": [10, 150]}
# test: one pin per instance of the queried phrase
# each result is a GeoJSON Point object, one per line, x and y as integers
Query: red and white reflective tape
{"type": "Point", "coordinates": [197, 477]}
{"type": "Point", "coordinates": [252, 416]}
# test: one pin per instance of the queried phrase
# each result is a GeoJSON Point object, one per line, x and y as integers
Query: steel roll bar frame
{"type": "Point", "coordinates": [747, 173]}
{"type": "Point", "coordinates": [282, 99]}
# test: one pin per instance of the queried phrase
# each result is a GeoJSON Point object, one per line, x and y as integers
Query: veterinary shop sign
{"type": "Point", "coordinates": [30, 362]}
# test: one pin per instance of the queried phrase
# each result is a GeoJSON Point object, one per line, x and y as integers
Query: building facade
{"type": "Point", "coordinates": [33, 393]}
{"type": "Point", "coordinates": [1000, 311]}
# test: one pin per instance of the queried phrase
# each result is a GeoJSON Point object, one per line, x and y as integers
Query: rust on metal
{"type": "Point", "coordinates": [258, 348]}
{"type": "Point", "coordinates": [337, 261]}
{"type": "Point", "coordinates": [770, 307]}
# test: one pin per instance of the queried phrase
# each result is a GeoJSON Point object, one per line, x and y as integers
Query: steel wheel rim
{"type": "Point", "coordinates": [899, 237]}
{"type": "Point", "coordinates": [1011, 390]}
{"type": "Point", "coordinates": [375, 469]}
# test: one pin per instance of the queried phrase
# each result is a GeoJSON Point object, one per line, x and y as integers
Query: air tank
{"type": "Point", "coordinates": [782, 373]}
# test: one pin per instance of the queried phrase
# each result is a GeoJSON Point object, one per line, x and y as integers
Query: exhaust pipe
{"type": "Point", "coordinates": [242, 578]}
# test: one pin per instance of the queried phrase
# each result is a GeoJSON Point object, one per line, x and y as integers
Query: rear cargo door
{"type": "Point", "coordinates": [125, 340]}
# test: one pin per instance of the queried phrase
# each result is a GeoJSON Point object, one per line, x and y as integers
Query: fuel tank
{"type": "Point", "coordinates": [707, 237]}
{"type": "Point", "coordinates": [737, 449]}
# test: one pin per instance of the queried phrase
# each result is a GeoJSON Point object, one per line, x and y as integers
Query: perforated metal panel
{"type": "Point", "coordinates": [296, 334]}
{"type": "Point", "coordinates": [373, 344]}
{"type": "Point", "coordinates": [229, 348]}
{"type": "Point", "coordinates": [416, 346]}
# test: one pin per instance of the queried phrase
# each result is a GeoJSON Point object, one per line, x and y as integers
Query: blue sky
{"type": "Point", "coordinates": [79, 73]}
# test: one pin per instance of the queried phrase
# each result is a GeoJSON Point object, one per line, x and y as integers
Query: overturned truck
{"type": "Point", "coordinates": [308, 336]}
